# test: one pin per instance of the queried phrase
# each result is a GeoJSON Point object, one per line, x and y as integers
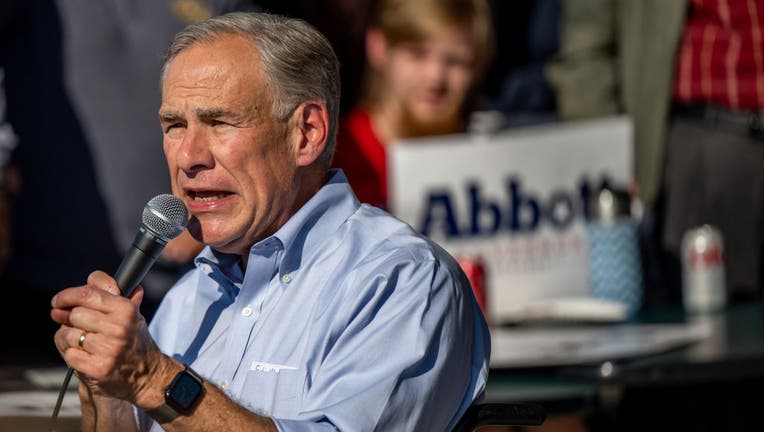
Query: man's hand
{"type": "Point", "coordinates": [118, 362]}
{"type": "Point", "coordinates": [116, 356]}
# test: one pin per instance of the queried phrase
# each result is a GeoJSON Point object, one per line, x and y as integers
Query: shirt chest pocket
{"type": "Point", "coordinates": [273, 390]}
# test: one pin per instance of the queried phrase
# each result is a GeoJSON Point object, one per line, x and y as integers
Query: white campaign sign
{"type": "Point", "coordinates": [515, 199]}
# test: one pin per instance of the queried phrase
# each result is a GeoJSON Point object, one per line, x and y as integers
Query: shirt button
{"type": "Point", "coordinates": [286, 278]}
{"type": "Point", "coordinates": [224, 385]}
{"type": "Point", "coordinates": [247, 311]}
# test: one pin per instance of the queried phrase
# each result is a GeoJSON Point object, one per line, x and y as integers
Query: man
{"type": "Point", "coordinates": [425, 59]}
{"type": "Point", "coordinates": [307, 310]}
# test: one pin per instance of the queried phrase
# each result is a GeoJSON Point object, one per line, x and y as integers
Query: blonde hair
{"type": "Point", "coordinates": [403, 21]}
{"type": "Point", "coordinates": [411, 21]}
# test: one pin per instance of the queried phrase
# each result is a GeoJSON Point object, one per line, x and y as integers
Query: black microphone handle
{"type": "Point", "coordinates": [139, 258]}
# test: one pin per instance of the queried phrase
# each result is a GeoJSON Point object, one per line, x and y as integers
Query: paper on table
{"type": "Point", "coordinates": [570, 309]}
{"type": "Point", "coordinates": [516, 347]}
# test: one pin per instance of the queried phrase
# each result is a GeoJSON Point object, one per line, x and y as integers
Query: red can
{"type": "Point", "coordinates": [474, 268]}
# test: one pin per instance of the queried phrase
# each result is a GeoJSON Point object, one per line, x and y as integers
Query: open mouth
{"type": "Point", "coordinates": [208, 196]}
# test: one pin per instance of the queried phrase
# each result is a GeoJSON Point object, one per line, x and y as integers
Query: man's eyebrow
{"type": "Point", "coordinates": [214, 113]}
{"type": "Point", "coordinates": [202, 113]}
{"type": "Point", "coordinates": [169, 116]}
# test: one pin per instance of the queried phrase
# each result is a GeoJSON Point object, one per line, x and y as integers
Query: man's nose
{"type": "Point", "coordinates": [194, 152]}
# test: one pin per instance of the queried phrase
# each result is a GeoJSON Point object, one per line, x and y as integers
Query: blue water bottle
{"type": "Point", "coordinates": [615, 264]}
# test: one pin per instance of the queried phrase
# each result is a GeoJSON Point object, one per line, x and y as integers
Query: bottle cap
{"type": "Point", "coordinates": [610, 204]}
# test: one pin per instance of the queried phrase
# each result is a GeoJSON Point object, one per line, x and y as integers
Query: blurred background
{"type": "Point", "coordinates": [581, 144]}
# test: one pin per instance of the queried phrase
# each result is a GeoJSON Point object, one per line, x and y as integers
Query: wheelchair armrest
{"type": "Point", "coordinates": [501, 414]}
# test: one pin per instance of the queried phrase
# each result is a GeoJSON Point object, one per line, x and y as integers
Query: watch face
{"type": "Point", "coordinates": [183, 392]}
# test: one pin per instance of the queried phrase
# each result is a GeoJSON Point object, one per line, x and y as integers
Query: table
{"type": "Point", "coordinates": [719, 377]}
{"type": "Point", "coordinates": [711, 384]}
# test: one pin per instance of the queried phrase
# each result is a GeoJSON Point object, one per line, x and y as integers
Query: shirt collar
{"type": "Point", "coordinates": [228, 264]}
{"type": "Point", "coordinates": [313, 223]}
{"type": "Point", "coordinates": [317, 220]}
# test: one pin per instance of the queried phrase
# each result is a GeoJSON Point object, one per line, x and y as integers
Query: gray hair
{"type": "Point", "coordinates": [298, 61]}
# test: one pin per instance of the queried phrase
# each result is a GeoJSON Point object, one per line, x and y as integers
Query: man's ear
{"type": "Point", "coordinates": [312, 120]}
{"type": "Point", "coordinates": [376, 48]}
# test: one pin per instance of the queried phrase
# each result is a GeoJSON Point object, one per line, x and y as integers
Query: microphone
{"type": "Point", "coordinates": [164, 218]}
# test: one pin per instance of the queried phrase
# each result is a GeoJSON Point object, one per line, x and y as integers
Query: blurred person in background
{"type": "Point", "coordinates": [691, 76]}
{"type": "Point", "coordinates": [714, 163]}
{"type": "Point", "coordinates": [81, 96]}
{"type": "Point", "coordinates": [425, 60]}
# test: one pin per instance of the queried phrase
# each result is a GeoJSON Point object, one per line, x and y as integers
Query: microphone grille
{"type": "Point", "coordinates": [166, 216]}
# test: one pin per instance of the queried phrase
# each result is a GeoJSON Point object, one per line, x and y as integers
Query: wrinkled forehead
{"type": "Point", "coordinates": [221, 62]}
{"type": "Point", "coordinates": [218, 73]}
{"type": "Point", "coordinates": [226, 54]}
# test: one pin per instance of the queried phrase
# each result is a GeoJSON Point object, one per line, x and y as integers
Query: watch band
{"type": "Point", "coordinates": [163, 414]}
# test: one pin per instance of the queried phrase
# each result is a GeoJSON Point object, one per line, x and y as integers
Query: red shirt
{"type": "Point", "coordinates": [721, 60]}
{"type": "Point", "coordinates": [361, 156]}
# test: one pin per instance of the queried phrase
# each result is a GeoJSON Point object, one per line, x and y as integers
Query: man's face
{"type": "Point", "coordinates": [431, 78]}
{"type": "Point", "coordinates": [229, 157]}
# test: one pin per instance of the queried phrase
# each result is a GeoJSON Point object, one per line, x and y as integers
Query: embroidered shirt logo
{"type": "Point", "coordinates": [269, 367]}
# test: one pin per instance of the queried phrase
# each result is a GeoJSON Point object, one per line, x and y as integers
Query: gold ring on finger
{"type": "Point", "coordinates": [81, 341]}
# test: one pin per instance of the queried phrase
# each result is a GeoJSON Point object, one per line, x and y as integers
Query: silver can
{"type": "Point", "coordinates": [703, 280]}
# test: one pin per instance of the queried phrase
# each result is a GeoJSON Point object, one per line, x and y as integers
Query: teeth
{"type": "Point", "coordinates": [208, 198]}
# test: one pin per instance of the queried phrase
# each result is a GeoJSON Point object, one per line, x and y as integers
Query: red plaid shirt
{"type": "Point", "coordinates": [721, 60]}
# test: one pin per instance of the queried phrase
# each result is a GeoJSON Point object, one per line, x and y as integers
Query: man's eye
{"type": "Point", "coordinates": [173, 126]}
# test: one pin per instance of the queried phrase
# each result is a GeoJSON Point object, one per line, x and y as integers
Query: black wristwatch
{"type": "Point", "coordinates": [180, 396]}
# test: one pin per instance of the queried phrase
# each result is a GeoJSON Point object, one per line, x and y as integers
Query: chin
{"type": "Point", "coordinates": [205, 234]}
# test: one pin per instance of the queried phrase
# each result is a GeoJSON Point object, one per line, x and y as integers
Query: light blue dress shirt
{"type": "Point", "coordinates": [345, 319]}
